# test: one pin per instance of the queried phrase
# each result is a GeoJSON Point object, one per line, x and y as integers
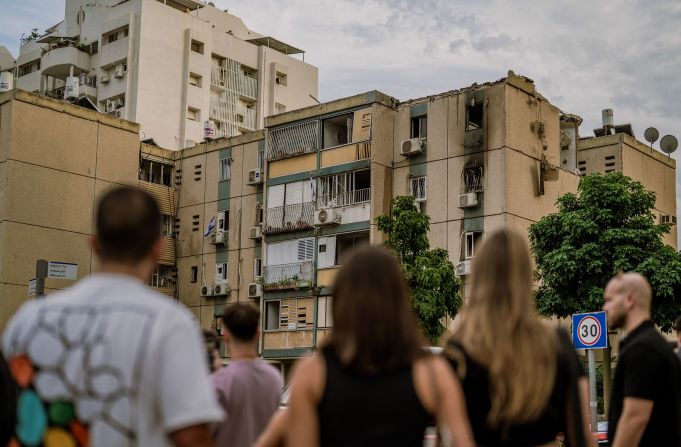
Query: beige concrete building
{"type": "Point", "coordinates": [56, 159]}
{"type": "Point", "coordinates": [169, 65]}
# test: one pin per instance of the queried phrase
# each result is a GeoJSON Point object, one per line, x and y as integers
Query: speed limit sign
{"type": "Point", "coordinates": [589, 331]}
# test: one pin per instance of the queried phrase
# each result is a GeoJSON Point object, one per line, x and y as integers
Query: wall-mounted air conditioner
{"type": "Point", "coordinates": [412, 146]}
{"type": "Point", "coordinates": [218, 237]}
{"type": "Point", "coordinates": [254, 290]}
{"type": "Point", "coordinates": [104, 79]}
{"type": "Point", "coordinates": [468, 200]}
{"type": "Point", "coordinates": [119, 72]}
{"type": "Point", "coordinates": [327, 216]}
{"type": "Point", "coordinates": [254, 177]}
{"type": "Point", "coordinates": [110, 105]}
{"type": "Point", "coordinates": [256, 233]}
{"type": "Point", "coordinates": [220, 289]}
{"type": "Point", "coordinates": [463, 268]}
{"type": "Point", "coordinates": [206, 291]}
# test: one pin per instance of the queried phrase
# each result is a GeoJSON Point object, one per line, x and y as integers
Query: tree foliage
{"type": "Point", "coordinates": [24, 39]}
{"type": "Point", "coordinates": [606, 228]}
{"type": "Point", "coordinates": [429, 273]}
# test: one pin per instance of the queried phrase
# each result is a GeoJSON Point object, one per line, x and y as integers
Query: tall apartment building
{"type": "Point", "coordinates": [169, 65]}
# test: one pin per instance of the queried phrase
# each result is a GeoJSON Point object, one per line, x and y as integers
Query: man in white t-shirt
{"type": "Point", "coordinates": [109, 362]}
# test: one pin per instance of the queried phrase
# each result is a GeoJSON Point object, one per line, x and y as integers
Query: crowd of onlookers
{"type": "Point", "coordinates": [108, 362]}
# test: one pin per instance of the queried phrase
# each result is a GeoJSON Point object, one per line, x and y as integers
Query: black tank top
{"type": "Point", "coordinates": [370, 410]}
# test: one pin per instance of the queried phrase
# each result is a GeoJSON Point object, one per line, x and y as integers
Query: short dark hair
{"type": "Point", "coordinates": [241, 319]}
{"type": "Point", "coordinates": [677, 324]}
{"type": "Point", "coordinates": [128, 223]}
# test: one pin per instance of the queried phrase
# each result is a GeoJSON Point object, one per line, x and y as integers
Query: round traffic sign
{"type": "Point", "coordinates": [589, 330]}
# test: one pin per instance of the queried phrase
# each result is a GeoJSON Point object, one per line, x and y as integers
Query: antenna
{"type": "Point", "coordinates": [668, 144]}
{"type": "Point", "coordinates": [651, 135]}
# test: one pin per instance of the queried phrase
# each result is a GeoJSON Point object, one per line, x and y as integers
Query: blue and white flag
{"type": "Point", "coordinates": [210, 228]}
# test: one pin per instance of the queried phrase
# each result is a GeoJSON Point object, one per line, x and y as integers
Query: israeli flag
{"type": "Point", "coordinates": [210, 228]}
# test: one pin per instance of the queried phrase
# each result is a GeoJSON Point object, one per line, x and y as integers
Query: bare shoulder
{"type": "Point", "coordinates": [308, 376]}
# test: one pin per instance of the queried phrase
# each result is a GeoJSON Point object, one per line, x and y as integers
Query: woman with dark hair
{"type": "Point", "coordinates": [373, 383]}
{"type": "Point", "coordinates": [522, 379]}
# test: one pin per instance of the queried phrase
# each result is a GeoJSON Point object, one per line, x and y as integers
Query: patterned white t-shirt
{"type": "Point", "coordinates": [107, 362]}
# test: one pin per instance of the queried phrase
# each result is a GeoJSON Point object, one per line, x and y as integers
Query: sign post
{"type": "Point", "coordinates": [590, 331]}
{"type": "Point", "coordinates": [50, 269]}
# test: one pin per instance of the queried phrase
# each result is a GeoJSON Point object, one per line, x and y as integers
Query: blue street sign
{"type": "Point", "coordinates": [589, 331]}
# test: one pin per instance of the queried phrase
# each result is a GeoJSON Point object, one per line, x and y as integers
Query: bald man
{"type": "Point", "coordinates": [645, 409]}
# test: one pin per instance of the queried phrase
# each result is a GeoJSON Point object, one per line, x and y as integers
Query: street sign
{"type": "Point", "coordinates": [589, 331]}
{"type": "Point", "coordinates": [62, 270]}
{"type": "Point", "coordinates": [31, 286]}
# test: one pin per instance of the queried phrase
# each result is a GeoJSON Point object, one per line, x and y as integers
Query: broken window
{"type": "Point", "coordinates": [419, 127]}
{"type": "Point", "coordinates": [155, 172]}
{"type": "Point", "coordinates": [474, 113]}
{"type": "Point", "coordinates": [472, 178]}
{"type": "Point", "coordinates": [471, 239]}
{"type": "Point", "coordinates": [337, 131]}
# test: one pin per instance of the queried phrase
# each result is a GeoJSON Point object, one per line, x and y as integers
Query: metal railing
{"type": "Point", "coordinates": [297, 274]}
{"type": "Point", "coordinates": [285, 218]}
{"type": "Point", "coordinates": [219, 109]}
{"type": "Point", "coordinates": [245, 118]}
{"type": "Point", "coordinates": [292, 140]}
{"type": "Point", "coordinates": [243, 85]}
{"type": "Point", "coordinates": [345, 198]}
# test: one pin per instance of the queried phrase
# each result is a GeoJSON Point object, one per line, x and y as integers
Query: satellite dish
{"type": "Point", "coordinates": [668, 144]}
{"type": "Point", "coordinates": [651, 135]}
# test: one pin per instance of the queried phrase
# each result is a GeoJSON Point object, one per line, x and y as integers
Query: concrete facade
{"type": "Point", "coordinates": [169, 65]}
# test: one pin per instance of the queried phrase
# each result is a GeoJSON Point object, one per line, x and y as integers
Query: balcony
{"type": "Point", "coordinates": [245, 118]}
{"type": "Point", "coordinates": [344, 199]}
{"type": "Point", "coordinates": [293, 140]}
{"type": "Point", "coordinates": [282, 219]}
{"type": "Point", "coordinates": [244, 86]}
{"type": "Point", "coordinates": [57, 61]}
{"type": "Point", "coordinates": [288, 276]}
{"type": "Point", "coordinates": [167, 256]}
{"type": "Point", "coordinates": [219, 109]}
{"type": "Point", "coordinates": [164, 195]}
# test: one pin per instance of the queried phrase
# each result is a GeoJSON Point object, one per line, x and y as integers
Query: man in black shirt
{"type": "Point", "coordinates": [645, 408]}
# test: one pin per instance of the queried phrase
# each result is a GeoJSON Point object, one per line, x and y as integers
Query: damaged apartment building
{"type": "Point", "coordinates": [270, 216]}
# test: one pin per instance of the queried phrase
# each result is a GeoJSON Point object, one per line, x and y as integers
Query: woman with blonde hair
{"type": "Point", "coordinates": [522, 379]}
{"type": "Point", "coordinates": [373, 383]}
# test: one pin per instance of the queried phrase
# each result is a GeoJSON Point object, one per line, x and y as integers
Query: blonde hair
{"type": "Point", "coordinates": [499, 329]}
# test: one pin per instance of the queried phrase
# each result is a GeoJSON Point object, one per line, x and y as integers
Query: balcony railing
{"type": "Point", "coordinates": [219, 109]}
{"type": "Point", "coordinates": [288, 276]}
{"type": "Point", "coordinates": [245, 118]}
{"type": "Point", "coordinates": [344, 199]}
{"type": "Point", "coordinates": [292, 140]}
{"type": "Point", "coordinates": [282, 219]}
{"type": "Point", "coordinates": [243, 85]}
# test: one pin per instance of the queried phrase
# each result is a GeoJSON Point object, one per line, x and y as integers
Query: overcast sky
{"type": "Point", "coordinates": [583, 56]}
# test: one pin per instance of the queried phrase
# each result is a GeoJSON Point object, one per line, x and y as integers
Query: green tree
{"type": "Point", "coordinates": [24, 39]}
{"type": "Point", "coordinates": [429, 273]}
{"type": "Point", "coordinates": [606, 228]}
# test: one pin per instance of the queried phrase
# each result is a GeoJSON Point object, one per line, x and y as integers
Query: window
{"type": "Point", "coordinates": [162, 277]}
{"type": "Point", "coordinates": [28, 68]}
{"type": "Point", "coordinates": [289, 252]}
{"type": "Point", "coordinates": [289, 194]}
{"type": "Point", "coordinates": [324, 315]}
{"type": "Point", "coordinates": [155, 172]}
{"type": "Point", "coordinates": [281, 79]}
{"type": "Point", "coordinates": [257, 268]}
{"type": "Point", "coordinates": [474, 114]}
{"type": "Point", "coordinates": [344, 189]}
{"type": "Point", "coordinates": [272, 313]}
{"type": "Point", "coordinates": [194, 274]}
{"type": "Point", "coordinates": [470, 241]}
{"type": "Point", "coordinates": [194, 80]}
{"type": "Point", "coordinates": [419, 127]}
{"type": "Point", "coordinates": [259, 214]}
{"type": "Point", "coordinates": [167, 225]}
{"type": "Point", "coordinates": [197, 47]}
{"type": "Point", "coordinates": [418, 187]}
{"type": "Point", "coordinates": [223, 220]}
{"type": "Point", "coordinates": [221, 272]}
{"type": "Point", "coordinates": [225, 169]}
{"type": "Point", "coordinates": [347, 243]}
{"type": "Point", "coordinates": [193, 114]}
{"type": "Point", "coordinates": [472, 178]}
{"type": "Point", "coordinates": [279, 108]}
{"type": "Point", "coordinates": [337, 131]}
{"type": "Point", "coordinates": [114, 35]}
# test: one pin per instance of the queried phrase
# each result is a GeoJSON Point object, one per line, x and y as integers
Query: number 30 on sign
{"type": "Point", "coordinates": [589, 330]}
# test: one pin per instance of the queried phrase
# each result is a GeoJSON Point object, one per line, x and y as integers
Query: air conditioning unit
{"type": "Point", "coordinates": [668, 219]}
{"type": "Point", "coordinates": [254, 177]}
{"type": "Point", "coordinates": [104, 79]}
{"type": "Point", "coordinates": [119, 72]}
{"type": "Point", "coordinates": [206, 291]}
{"type": "Point", "coordinates": [412, 146]}
{"type": "Point", "coordinates": [110, 105]}
{"type": "Point", "coordinates": [327, 216]}
{"type": "Point", "coordinates": [115, 113]}
{"type": "Point", "coordinates": [217, 237]}
{"type": "Point", "coordinates": [256, 233]}
{"type": "Point", "coordinates": [119, 102]}
{"type": "Point", "coordinates": [254, 290]}
{"type": "Point", "coordinates": [463, 268]}
{"type": "Point", "coordinates": [220, 289]}
{"type": "Point", "coordinates": [468, 200]}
